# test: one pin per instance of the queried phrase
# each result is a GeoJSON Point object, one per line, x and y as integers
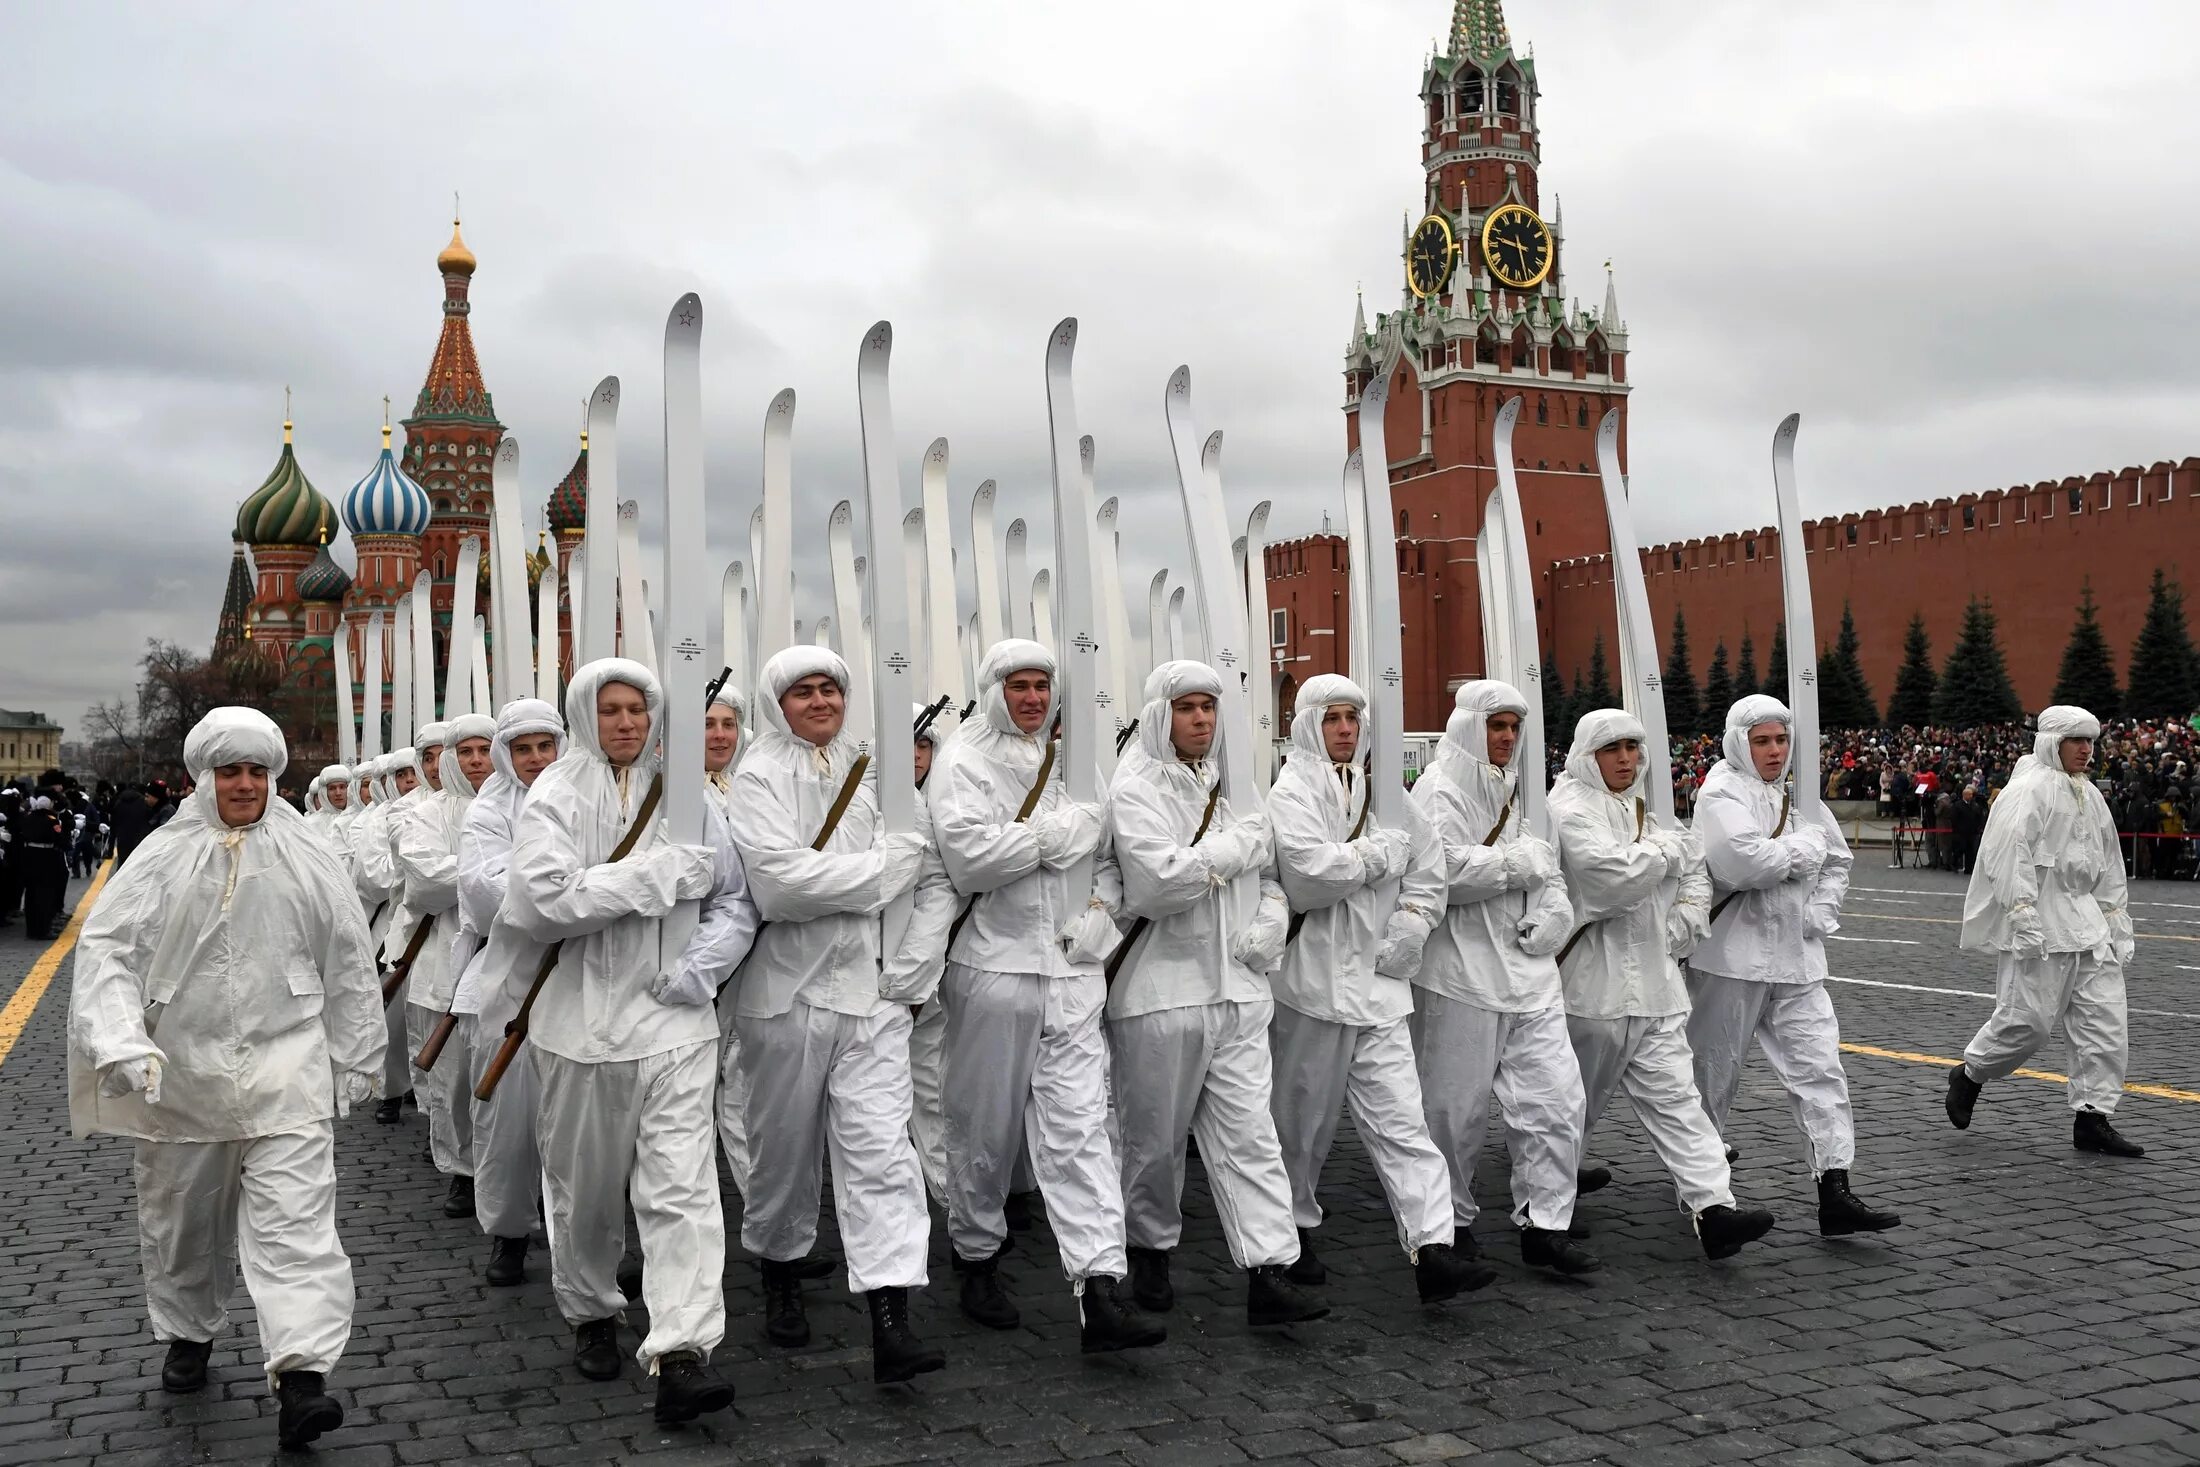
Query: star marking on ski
{"type": "Point", "coordinates": [609, 394]}
{"type": "Point", "coordinates": [687, 317]}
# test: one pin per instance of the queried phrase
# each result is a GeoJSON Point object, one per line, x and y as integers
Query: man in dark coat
{"type": "Point", "coordinates": [133, 819]}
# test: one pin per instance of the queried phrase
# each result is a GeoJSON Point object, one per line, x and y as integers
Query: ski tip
{"type": "Point", "coordinates": [629, 509]}
{"type": "Point", "coordinates": [843, 513]}
{"type": "Point", "coordinates": [1016, 529]}
{"type": "Point", "coordinates": [913, 520]}
{"type": "Point", "coordinates": [937, 452]}
{"type": "Point", "coordinates": [756, 518]}
{"type": "Point", "coordinates": [1258, 519]}
{"type": "Point", "coordinates": [1180, 383]}
{"type": "Point", "coordinates": [782, 404]}
{"type": "Point", "coordinates": [1510, 412]}
{"type": "Point", "coordinates": [1108, 510]}
{"type": "Point", "coordinates": [1785, 434]}
{"type": "Point", "coordinates": [1608, 431]}
{"type": "Point", "coordinates": [985, 494]}
{"type": "Point", "coordinates": [686, 315]}
{"type": "Point", "coordinates": [1210, 452]}
{"type": "Point", "coordinates": [1065, 334]}
{"type": "Point", "coordinates": [606, 394]}
{"type": "Point", "coordinates": [879, 340]}
{"type": "Point", "coordinates": [508, 452]}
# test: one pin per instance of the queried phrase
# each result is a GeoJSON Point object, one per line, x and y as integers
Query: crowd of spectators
{"type": "Point", "coordinates": [53, 828]}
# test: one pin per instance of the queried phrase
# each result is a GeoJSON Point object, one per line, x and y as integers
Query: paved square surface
{"type": "Point", "coordinates": [2037, 1306]}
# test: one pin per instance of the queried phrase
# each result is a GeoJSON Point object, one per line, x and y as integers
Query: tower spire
{"type": "Point", "coordinates": [1611, 300]}
{"type": "Point", "coordinates": [1478, 29]}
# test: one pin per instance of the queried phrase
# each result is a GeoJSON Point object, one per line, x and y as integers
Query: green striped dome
{"type": "Point", "coordinates": [286, 509]}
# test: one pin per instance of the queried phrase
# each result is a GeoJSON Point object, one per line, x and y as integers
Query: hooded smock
{"type": "Point", "coordinates": [721, 780]}
{"type": "Point", "coordinates": [490, 956]}
{"type": "Point", "coordinates": [1506, 908]}
{"type": "Point", "coordinates": [1023, 916]}
{"type": "Point", "coordinates": [1637, 897]}
{"type": "Point", "coordinates": [373, 867]}
{"type": "Point", "coordinates": [820, 944]}
{"type": "Point", "coordinates": [1337, 878]}
{"type": "Point", "coordinates": [1790, 885]}
{"type": "Point", "coordinates": [597, 1006]}
{"type": "Point", "coordinates": [236, 957]}
{"type": "Point", "coordinates": [1186, 957]}
{"type": "Point", "coordinates": [427, 860]}
{"type": "Point", "coordinates": [2049, 862]}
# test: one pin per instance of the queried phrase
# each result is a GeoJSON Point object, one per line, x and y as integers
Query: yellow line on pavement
{"type": "Point", "coordinates": [16, 1017]}
{"type": "Point", "coordinates": [1956, 922]}
{"type": "Point", "coordinates": [2157, 1092]}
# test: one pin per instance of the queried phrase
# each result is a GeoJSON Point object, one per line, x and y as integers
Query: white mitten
{"type": "Point", "coordinates": [1686, 926]}
{"type": "Point", "coordinates": [2027, 939]}
{"type": "Point", "coordinates": [2120, 935]}
{"type": "Point", "coordinates": [1091, 937]}
{"type": "Point", "coordinates": [686, 985]}
{"type": "Point", "coordinates": [1241, 848]}
{"type": "Point", "coordinates": [1259, 945]}
{"type": "Point", "coordinates": [697, 871]}
{"type": "Point", "coordinates": [1403, 939]}
{"type": "Point", "coordinates": [124, 1076]}
{"type": "Point", "coordinates": [1822, 919]}
{"type": "Point", "coordinates": [1066, 834]}
{"type": "Point", "coordinates": [356, 1087]}
{"type": "Point", "coordinates": [1806, 854]}
{"type": "Point", "coordinates": [901, 856]}
{"type": "Point", "coordinates": [1523, 865]}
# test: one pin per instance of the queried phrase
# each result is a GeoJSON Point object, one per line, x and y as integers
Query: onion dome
{"type": "Point", "coordinates": [569, 501]}
{"type": "Point", "coordinates": [537, 563]}
{"type": "Point", "coordinates": [386, 502]}
{"type": "Point", "coordinates": [324, 580]}
{"type": "Point", "coordinates": [456, 259]}
{"type": "Point", "coordinates": [286, 509]}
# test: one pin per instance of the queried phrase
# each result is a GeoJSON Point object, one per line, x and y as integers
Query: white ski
{"type": "Point", "coordinates": [913, 572]}
{"type": "Point", "coordinates": [1116, 618]}
{"type": "Point", "coordinates": [1185, 642]}
{"type": "Point", "coordinates": [347, 732]}
{"type": "Point", "coordinates": [1042, 610]}
{"type": "Point", "coordinates": [370, 699]}
{"type": "Point", "coordinates": [1359, 555]}
{"type": "Point", "coordinates": [848, 604]}
{"type": "Point", "coordinates": [985, 566]}
{"type": "Point", "coordinates": [637, 638]}
{"type": "Point", "coordinates": [1082, 685]}
{"type": "Point", "coordinates": [774, 558]}
{"type": "Point", "coordinates": [508, 580]}
{"type": "Point", "coordinates": [1260, 639]}
{"type": "Point", "coordinates": [1385, 687]}
{"type": "Point", "coordinates": [1159, 647]}
{"type": "Point", "coordinates": [892, 651]}
{"type": "Point", "coordinates": [423, 652]}
{"type": "Point", "coordinates": [733, 629]}
{"type": "Point", "coordinates": [458, 662]}
{"type": "Point", "coordinates": [549, 648]}
{"type": "Point", "coordinates": [402, 665]}
{"type": "Point", "coordinates": [1638, 637]}
{"type": "Point", "coordinates": [685, 602]}
{"type": "Point", "coordinates": [1019, 582]}
{"type": "Point", "coordinates": [1532, 759]}
{"type": "Point", "coordinates": [597, 638]}
{"type": "Point", "coordinates": [481, 696]}
{"type": "Point", "coordinates": [1802, 626]}
{"type": "Point", "coordinates": [942, 659]}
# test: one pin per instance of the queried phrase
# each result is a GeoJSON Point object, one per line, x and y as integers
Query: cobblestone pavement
{"type": "Point", "coordinates": [2038, 1305]}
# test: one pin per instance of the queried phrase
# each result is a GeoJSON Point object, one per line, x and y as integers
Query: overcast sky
{"type": "Point", "coordinates": [1959, 238]}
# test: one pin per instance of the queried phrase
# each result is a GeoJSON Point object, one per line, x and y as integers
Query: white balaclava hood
{"type": "Point", "coordinates": [385, 771]}
{"type": "Point", "coordinates": [1467, 731]}
{"type": "Point", "coordinates": [1164, 685]}
{"type": "Point", "coordinates": [732, 697]}
{"type": "Point", "coordinates": [313, 795]}
{"type": "Point", "coordinates": [1600, 729]}
{"type": "Point", "coordinates": [331, 776]}
{"type": "Point", "coordinates": [465, 726]}
{"type": "Point", "coordinates": [1012, 655]}
{"type": "Point", "coordinates": [1316, 696]}
{"type": "Point", "coordinates": [233, 736]}
{"type": "Point", "coordinates": [580, 709]}
{"type": "Point", "coordinates": [516, 720]}
{"type": "Point", "coordinates": [1741, 718]}
{"type": "Point", "coordinates": [2062, 721]}
{"type": "Point", "coordinates": [431, 736]}
{"type": "Point", "coordinates": [786, 668]}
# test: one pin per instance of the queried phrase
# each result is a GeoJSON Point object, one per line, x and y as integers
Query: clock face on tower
{"type": "Point", "coordinates": [1516, 246]}
{"type": "Point", "coordinates": [1430, 256]}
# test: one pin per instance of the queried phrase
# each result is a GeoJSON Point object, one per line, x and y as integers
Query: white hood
{"type": "Point", "coordinates": [1600, 729]}
{"type": "Point", "coordinates": [1740, 719]}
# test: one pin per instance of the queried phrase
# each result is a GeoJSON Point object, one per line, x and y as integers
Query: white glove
{"type": "Point", "coordinates": [1806, 854]}
{"type": "Point", "coordinates": [124, 1076]}
{"type": "Point", "coordinates": [1259, 945]}
{"type": "Point", "coordinates": [1686, 926]}
{"type": "Point", "coordinates": [685, 985]}
{"type": "Point", "coordinates": [1091, 937]}
{"type": "Point", "coordinates": [1067, 834]}
{"type": "Point", "coordinates": [1403, 939]}
{"type": "Point", "coordinates": [1523, 865]}
{"type": "Point", "coordinates": [697, 872]}
{"type": "Point", "coordinates": [901, 856]}
{"type": "Point", "coordinates": [2027, 939]}
{"type": "Point", "coordinates": [2120, 935]}
{"type": "Point", "coordinates": [1675, 846]}
{"type": "Point", "coordinates": [1383, 855]}
{"type": "Point", "coordinates": [1241, 848]}
{"type": "Point", "coordinates": [1822, 919]}
{"type": "Point", "coordinates": [1544, 935]}
{"type": "Point", "coordinates": [356, 1087]}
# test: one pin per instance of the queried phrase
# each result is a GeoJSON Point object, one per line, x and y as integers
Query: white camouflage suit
{"type": "Point", "coordinates": [626, 1052]}
{"type": "Point", "coordinates": [1343, 999]}
{"type": "Point", "coordinates": [225, 1011]}
{"type": "Point", "coordinates": [1641, 903]}
{"type": "Point", "coordinates": [2048, 897]}
{"type": "Point", "coordinates": [1026, 1058]}
{"type": "Point", "coordinates": [1489, 1015]}
{"type": "Point", "coordinates": [1761, 973]}
{"type": "Point", "coordinates": [1189, 1011]}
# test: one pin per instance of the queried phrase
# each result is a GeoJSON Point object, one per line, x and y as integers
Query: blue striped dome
{"type": "Point", "coordinates": [386, 502]}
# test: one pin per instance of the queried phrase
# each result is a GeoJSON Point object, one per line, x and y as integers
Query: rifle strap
{"type": "Point", "coordinates": [1138, 928]}
{"type": "Point", "coordinates": [1728, 900]}
{"type": "Point", "coordinates": [841, 801]}
{"type": "Point", "coordinates": [619, 852]}
{"type": "Point", "coordinates": [1298, 919]}
{"type": "Point", "coordinates": [1023, 813]}
{"type": "Point", "coordinates": [1641, 810]}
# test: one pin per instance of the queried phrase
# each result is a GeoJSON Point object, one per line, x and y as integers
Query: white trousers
{"type": "Point", "coordinates": [1203, 1070]}
{"type": "Point", "coordinates": [1794, 1024]}
{"type": "Point", "coordinates": [1650, 1059]}
{"type": "Point", "coordinates": [825, 1082]}
{"type": "Point", "coordinates": [1468, 1054]}
{"type": "Point", "coordinates": [2087, 995]}
{"type": "Point", "coordinates": [397, 1070]}
{"type": "Point", "coordinates": [269, 1203]}
{"type": "Point", "coordinates": [507, 1163]}
{"type": "Point", "coordinates": [442, 1092]}
{"type": "Point", "coordinates": [733, 1108]}
{"type": "Point", "coordinates": [928, 1106]}
{"type": "Point", "coordinates": [1027, 1063]}
{"type": "Point", "coordinates": [642, 1126]}
{"type": "Point", "coordinates": [1321, 1067]}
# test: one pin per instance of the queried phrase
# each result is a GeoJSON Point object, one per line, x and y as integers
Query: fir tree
{"type": "Point", "coordinates": [1776, 666]}
{"type": "Point", "coordinates": [2088, 675]}
{"type": "Point", "coordinates": [1555, 727]}
{"type": "Point", "coordinates": [1718, 688]}
{"type": "Point", "coordinates": [2163, 674]}
{"type": "Point", "coordinates": [1745, 676]}
{"type": "Point", "coordinates": [1844, 698]}
{"type": "Point", "coordinates": [1683, 707]}
{"type": "Point", "coordinates": [1974, 687]}
{"type": "Point", "coordinates": [1912, 704]}
{"type": "Point", "coordinates": [1597, 692]}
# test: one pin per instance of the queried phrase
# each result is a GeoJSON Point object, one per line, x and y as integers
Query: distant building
{"type": "Point", "coordinates": [30, 744]}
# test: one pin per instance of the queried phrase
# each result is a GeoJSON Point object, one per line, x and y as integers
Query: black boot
{"type": "Point", "coordinates": [1723, 1230]}
{"type": "Point", "coordinates": [1440, 1273]}
{"type": "Point", "coordinates": [1017, 1210]}
{"type": "Point", "coordinates": [982, 1299]}
{"type": "Point", "coordinates": [185, 1368]}
{"type": "Point", "coordinates": [1839, 1213]}
{"type": "Point", "coordinates": [459, 1202]}
{"type": "Point", "coordinates": [507, 1261]}
{"type": "Point", "coordinates": [307, 1409]}
{"type": "Point", "coordinates": [1108, 1323]}
{"type": "Point", "coordinates": [1963, 1092]}
{"type": "Point", "coordinates": [1307, 1268]}
{"type": "Point", "coordinates": [2091, 1131]}
{"type": "Point", "coordinates": [1150, 1284]}
{"type": "Point", "coordinates": [596, 1349]}
{"type": "Point", "coordinates": [1271, 1298]}
{"type": "Point", "coordinates": [687, 1388]}
{"type": "Point", "coordinates": [786, 1323]}
{"type": "Point", "coordinates": [896, 1354]}
{"type": "Point", "coordinates": [412, 1101]}
{"type": "Point", "coordinates": [629, 1276]}
{"type": "Point", "coordinates": [1592, 1179]}
{"type": "Point", "coordinates": [815, 1266]}
{"type": "Point", "coordinates": [389, 1112]}
{"type": "Point", "coordinates": [1550, 1248]}
{"type": "Point", "coordinates": [1466, 1244]}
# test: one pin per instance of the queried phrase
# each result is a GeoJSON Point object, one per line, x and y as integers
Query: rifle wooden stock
{"type": "Point", "coordinates": [437, 1038]}
{"type": "Point", "coordinates": [1138, 927]}
{"type": "Point", "coordinates": [402, 969]}
{"type": "Point", "coordinates": [1728, 900]}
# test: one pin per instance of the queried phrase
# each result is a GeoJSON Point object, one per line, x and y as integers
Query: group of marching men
{"type": "Point", "coordinates": [227, 1002]}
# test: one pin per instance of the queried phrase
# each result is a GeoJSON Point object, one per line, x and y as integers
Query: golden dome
{"type": "Point", "coordinates": [456, 258]}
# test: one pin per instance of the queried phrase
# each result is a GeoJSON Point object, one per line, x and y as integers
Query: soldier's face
{"type": "Point", "coordinates": [1341, 732]}
{"type": "Point", "coordinates": [2076, 755]}
{"type": "Point", "coordinates": [1768, 750]}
